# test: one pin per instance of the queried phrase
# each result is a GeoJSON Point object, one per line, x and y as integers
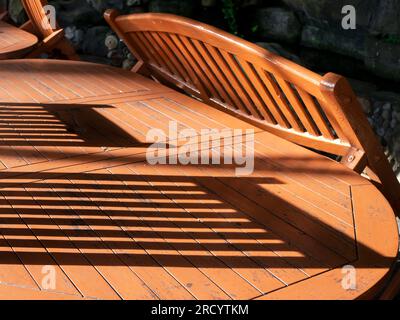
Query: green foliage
{"type": "Point", "coordinates": [255, 28]}
{"type": "Point", "coordinates": [392, 38]}
{"type": "Point", "coordinates": [230, 9]}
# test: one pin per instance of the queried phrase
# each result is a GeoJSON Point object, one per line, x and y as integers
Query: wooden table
{"type": "Point", "coordinates": [14, 42]}
{"type": "Point", "coordinates": [79, 200]}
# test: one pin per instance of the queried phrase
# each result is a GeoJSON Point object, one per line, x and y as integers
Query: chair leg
{"type": "Point", "coordinates": [67, 50]}
{"type": "Point", "coordinates": [390, 185]}
{"type": "Point", "coordinates": [64, 47]}
{"type": "Point", "coordinates": [393, 289]}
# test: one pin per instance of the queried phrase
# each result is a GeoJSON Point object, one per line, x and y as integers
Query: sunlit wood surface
{"type": "Point", "coordinates": [14, 42]}
{"type": "Point", "coordinates": [78, 198]}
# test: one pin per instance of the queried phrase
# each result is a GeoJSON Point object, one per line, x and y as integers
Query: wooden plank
{"type": "Point", "coordinates": [19, 293]}
{"type": "Point", "coordinates": [171, 270]}
{"type": "Point", "coordinates": [14, 42]}
{"type": "Point", "coordinates": [226, 252]}
{"type": "Point", "coordinates": [202, 259]}
{"type": "Point", "coordinates": [373, 218]}
{"type": "Point", "coordinates": [117, 275]}
{"type": "Point", "coordinates": [249, 237]}
{"type": "Point", "coordinates": [30, 250]}
{"type": "Point", "coordinates": [73, 263]}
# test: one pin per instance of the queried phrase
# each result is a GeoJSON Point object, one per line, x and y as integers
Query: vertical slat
{"type": "Point", "coordinates": [242, 83]}
{"type": "Point", "coordinates": [334, 121]}
{"type": "Point", "coordinates": [216, 56]}
{"type": "Point", "coordinates": [170, 56]}
{"type": "Point", "coordinates": [194, 60]}
{"type": "Point", "coordinates": [264, 94]}
{"type": "Point", "coordinates": [237, 86]}
{"type": "Point", "coordinates": [37, 15]}
{"type": "Point", "coordinates": [209, 65]}
{"type": "Point", "coordinates": [191, 77]}
{"type": "Point", "coordinates": [319, 119]}
{"type": "Point", "coordinates": [166, 61]}
{"type": "Point", "coordinates": [277, 95]}
{"type": "Point", "coordinates": [192, 70]}
{"type": "Point", "coordinates": [143, 42]}
{"type": "Point", "coordinates": [298, 107]}
{"type": "Point", "coordinates": [249, 81]}
{"type": "Point", "coordinates": [141, 50]}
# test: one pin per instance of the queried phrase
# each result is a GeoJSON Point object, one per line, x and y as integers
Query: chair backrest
{"type": "Point", "coordinates": [236, 75]}
{"type": "Point", "coordinates": [319, 112]}
{"type": "Point", "coordinates": [37, 15]}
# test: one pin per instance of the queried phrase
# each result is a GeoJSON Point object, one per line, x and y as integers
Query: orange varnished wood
{"type": "Point", "coordinates": [77, 194]}
{"type": "Point", "coordinates": [272, 93]}
{"type": "Point", "coordinates": [51, 39]}
{"type": "Point", "coordinates": [35, 37]}
{"type": "Point", "coordinates": [14, 42]}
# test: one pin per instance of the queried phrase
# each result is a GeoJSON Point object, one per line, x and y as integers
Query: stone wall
{"type": "Point", "coordinates": [314, 24]}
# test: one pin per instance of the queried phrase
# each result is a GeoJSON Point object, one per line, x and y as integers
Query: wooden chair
{"type": "Point", "coordinates": [321, 113]}
{"type": "Point", "coordinates": [50, 40]}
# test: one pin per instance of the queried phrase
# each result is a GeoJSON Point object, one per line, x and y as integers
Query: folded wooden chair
{"type": "Point", "coordinates": [48, 40]}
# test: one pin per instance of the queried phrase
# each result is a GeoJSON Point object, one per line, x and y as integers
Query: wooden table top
{"type": "Point", "coordinates": [77, 194]}
{"type": "Point", "coordinates": [14, 42]}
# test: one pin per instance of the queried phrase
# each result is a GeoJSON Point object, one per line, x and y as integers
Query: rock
{"type": "Point", "coordinates": [102, 5]}
{"type": "Point", "coordinates": [111, 42]}
{"type": "Point", "coordinates": [386, 18]}
{"type": "Point", "coordinates": [386, 115]}
{"type": "Point", "coordinates": [275, 23]}
{"type": "Point", "coordinates": [128, 64]}
{"type": "Point", "coordinates": [361, 88]}
{"type": "Point", "coordinates": [179, 7]}
{"type": "Point", "coordinates": [375, 41]}
{"type": "Point", "coordinates": [348, 43]}
{"type": "Point", "coordinates": [383, 58]}
{"type": "Point", "coordinates": [279, 50]}
{"type": "Point", "coordinates": [380, 132]}
{"type": "Point", "coordinates": [94, 41]}
{"type": "Point", "coordinates": [373, 16]}
{"type": "Point", "coordinates": [76, 13]}
{"type": "Point", "coordinates": [386, 124]}
{"type": "Point", "coordinates": [365, 104]}
{"type": "Point", "coordinates": [16, 12]}
{"type": "Point", "coordinates": [387, 106]}
{"type": "Point", "coordinates": [3, 5]}
{"type": "Point", "coordinates": [70, 32]}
